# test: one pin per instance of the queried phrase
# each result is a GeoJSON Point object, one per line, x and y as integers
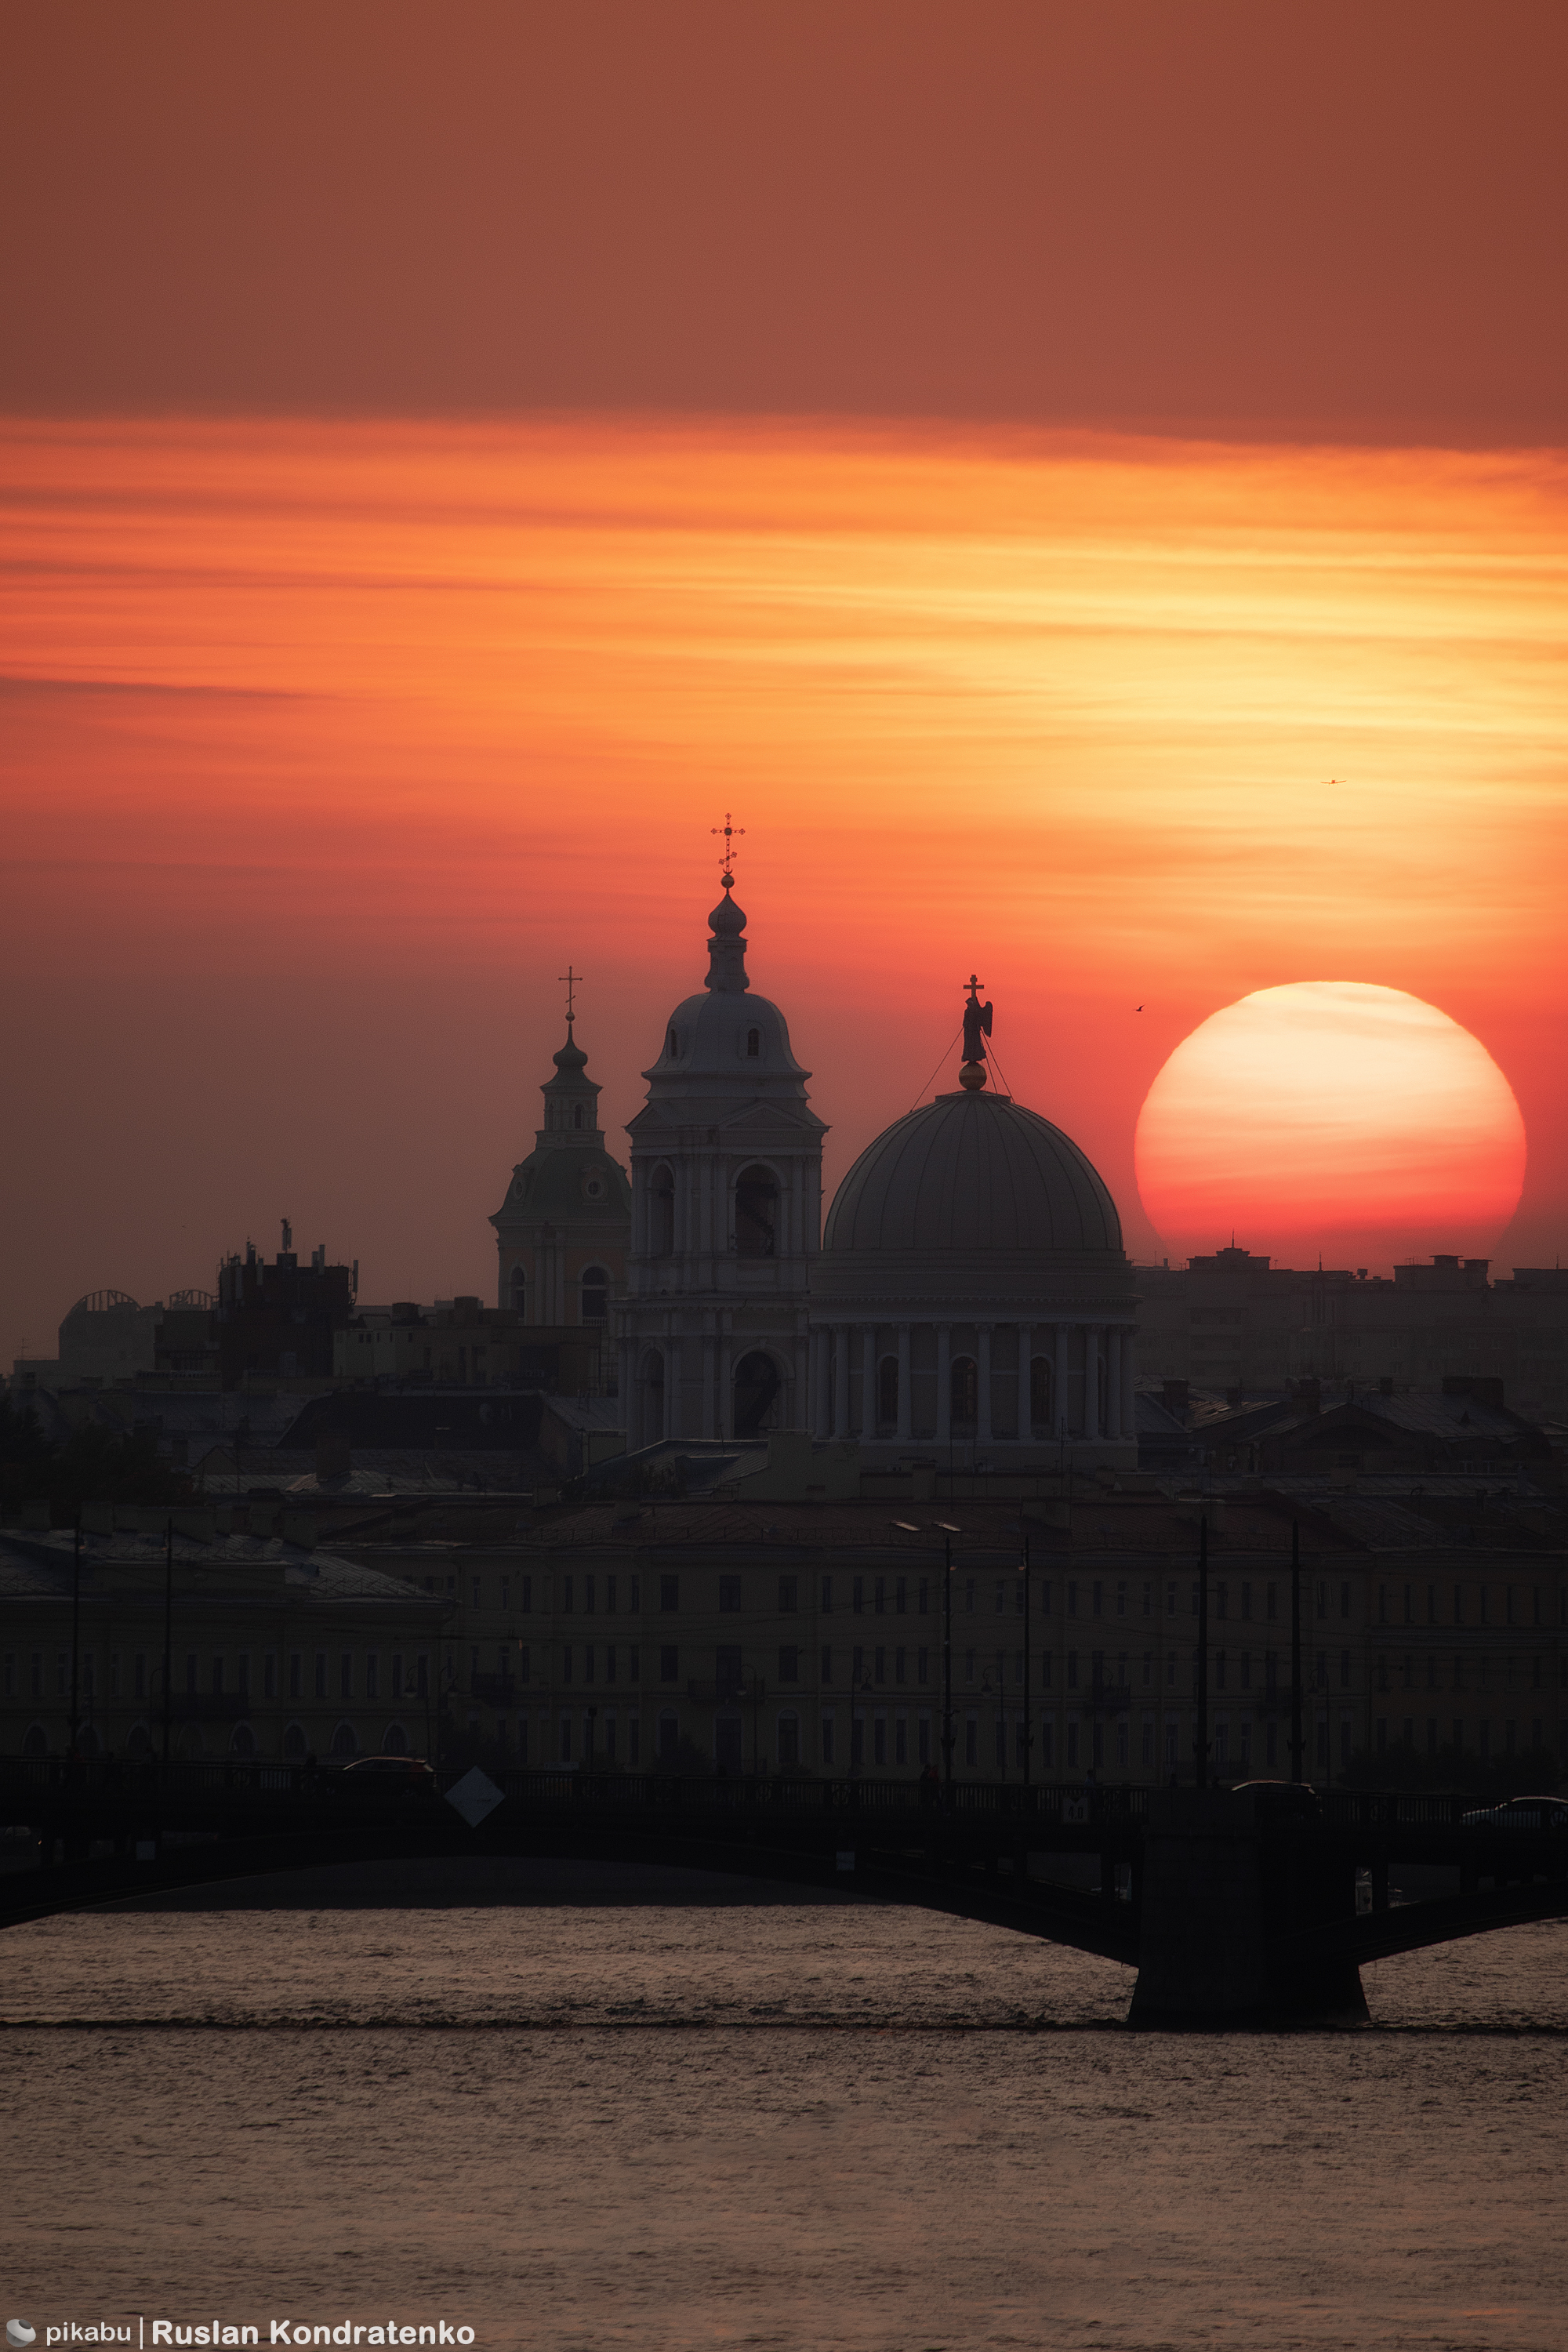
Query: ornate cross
{"type": "Point", "coordinates": [572, 979]}
{"type": "Point", "coordinates": [730, 833]}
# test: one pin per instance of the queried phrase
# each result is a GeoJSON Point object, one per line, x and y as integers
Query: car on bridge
{"type": "Point", "coordinates": [1531, 1813]}
{"type": "Point", "coordinates": [369, 1775]}
{"type": "Point", "coordinates": [1281, 1801]}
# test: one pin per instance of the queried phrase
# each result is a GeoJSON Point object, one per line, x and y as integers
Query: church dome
{"type": "Point", "coordinates": [972, 1174]}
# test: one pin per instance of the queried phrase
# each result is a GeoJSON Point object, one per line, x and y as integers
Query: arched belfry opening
{"type": "Point", "coordinates": [758, 1389]}
{"type": "Point", "coordinates": [756, 1213]}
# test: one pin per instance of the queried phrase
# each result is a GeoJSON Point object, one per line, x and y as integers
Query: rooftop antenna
{"type": "Point", "coordinates": [572, 980]}
{"type": "Point", "coordinates": [732, 833]}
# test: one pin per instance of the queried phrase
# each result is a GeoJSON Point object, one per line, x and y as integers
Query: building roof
{"type": "Point", "coordinates": [41, 1564]}
{"type": "Point", "coordinates": [975, 1173]}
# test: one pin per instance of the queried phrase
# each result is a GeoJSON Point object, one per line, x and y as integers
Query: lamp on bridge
{"type": "Point", "coordinates": [945, 1528]}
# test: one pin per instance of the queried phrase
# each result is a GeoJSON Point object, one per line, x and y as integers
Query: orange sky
{"type": "Point", "coordinates": [327, 744]}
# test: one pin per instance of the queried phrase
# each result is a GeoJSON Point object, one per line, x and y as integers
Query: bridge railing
{"type": "Point", "coordinates": [1390, 1809]}
{"type": "Point", "coordinates": [253, 1782]}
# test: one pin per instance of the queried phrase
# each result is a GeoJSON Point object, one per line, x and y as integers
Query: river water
{"type": "Point", "coordinates": [570, 2105]}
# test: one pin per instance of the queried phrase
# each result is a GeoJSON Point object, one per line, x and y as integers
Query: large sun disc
{"type": "Point", "coordinates": [1334, 1119]}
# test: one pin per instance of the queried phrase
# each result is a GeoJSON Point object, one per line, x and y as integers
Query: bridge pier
{"type": "Point", "coordinates": [1223, 1909]}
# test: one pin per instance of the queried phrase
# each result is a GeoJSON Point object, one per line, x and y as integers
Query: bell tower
{"type": "Point", "coordinates": [726, 1214]}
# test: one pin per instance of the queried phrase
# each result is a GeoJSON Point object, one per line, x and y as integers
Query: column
{"type": "Point", "coordinates": [943, 1384]}
{"type": "Point", "coordinates": [1092, 1379]}
{"type": "Point", "coordinates": [1129, 1389]}
{"type": "Point", "coordinates": [1113, 1381]}
{"type": "Point", "coordinates": [841, 1380]}
{"type": "Point", "coordinates": [982, 1385]}
{"type": "Point", "coordinates": [904, 1375]}
{"type": "Point", "coordinates": [726, 1412]}
{"type": "Point", "coordinates": [869, 1379]}
{"type": "Point", "coordinates": [1064, 1335]}
{"type": "Point", "coordinates": [1025, 1351]}
{"type": "Point", "coordinates": [710, 1383]}
{"type": "Point", "coordinates": [821, 1423]}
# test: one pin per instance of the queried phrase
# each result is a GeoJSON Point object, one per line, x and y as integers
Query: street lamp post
{"type": "Point", "coordinates": [1298, 1740]}
{"type": "Point", "coordinates": [947, 1532]}
{"type": "Point", "coordinates": [168, 1637]}
{"type": "Point", "coordinates": [76, 1640]}
{"type": "Point", "coordinates": [1201, 1742]}
{"type": "Point", "coordinates": [1029, 1721]}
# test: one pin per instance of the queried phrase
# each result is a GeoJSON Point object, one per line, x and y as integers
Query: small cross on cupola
{"type": "Point", "coordinates": [732, 833]}
{"type": "Point", "coordinates": [976, 1029]}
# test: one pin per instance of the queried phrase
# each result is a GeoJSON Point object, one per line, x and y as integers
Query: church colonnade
{"type": "Point", "coordinates": [989, 1383]}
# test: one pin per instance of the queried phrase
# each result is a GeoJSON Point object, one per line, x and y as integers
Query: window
{"type": "Point", "coordinates": [519, 1291]}
{"type": "Point", "coordinates": [922, 1665]}
{"type": "Point", "coordinates": [827, 1664]}
{"type": "Point", "coordinates": [321, 1674]}
{"type": "Point", "coordinates": [971, 1741]}
{"type": "Point", "coordinates": [887, 1391]}
{"type": "Point", "coordinates": [670, 1663]}
{"type": "Point", "coordinates": [963, 1381]}
{"type": "Point", "coordinates": [270, 1675]}
{"type": "Point", "coordinates": [730, 1592]}
{"type": "Point", "coordinates": [372, 1675]}
{"type": "Point", "coordinates": [753, 1046]}
{"type": "Point", "coordinates": [879, 1596]}
{"type": "Point", "coordinates": [756, 1213]}
{"type": "Point", "coordinates": [1042, 1387]}
{"type": "Point", "coordinates": [424, 1676]}
{"type": "Point", "coordinates": [190, 1674]}
{"type": "Point", "coordinates": [476, 1591]}
{"type": "Point", "coordinates": [789, 1592]}
{"type": "Point", "coordinates": [670, 1592]}
{"type": "Point", "coordinates": [789, 1741]}
{"type": "Point", "coordinates": [139, 1674]}
{"type": "Point", "coordinates": [827, 1739]}
{"type": "Point", "coordinates": [661, 1217]}
{"type": "Point", "coordinates": [901, 1666]}
{"type": "Point", "coordinates": [828, 1596]}
{"type": "Point", "coordinates": [857, 1594]}
{"type": "Point", "coordinates": [595, 1294]}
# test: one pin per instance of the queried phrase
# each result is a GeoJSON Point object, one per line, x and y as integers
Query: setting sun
{"type": "Point", "coordinates": [1330, 1119]}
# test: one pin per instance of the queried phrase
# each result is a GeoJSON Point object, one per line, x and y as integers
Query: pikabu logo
{"type": "Point", "coordinates": [20, 2334]}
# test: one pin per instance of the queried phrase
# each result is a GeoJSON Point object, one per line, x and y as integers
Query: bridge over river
{"type": "Point", "coordinates": [1255, 1905]}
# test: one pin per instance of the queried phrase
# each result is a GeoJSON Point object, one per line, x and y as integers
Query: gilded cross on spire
{"type": "Point", "coordinates": [571, 980]}
{"type": "Point", "coordinates": [732, 833]}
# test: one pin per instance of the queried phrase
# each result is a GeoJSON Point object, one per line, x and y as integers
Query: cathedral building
{"type": "Point", "coordinates": [969, 1295]}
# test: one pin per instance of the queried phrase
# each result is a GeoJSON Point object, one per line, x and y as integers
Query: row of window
{"type": "Point", "coordinates": [881, 1664]}
{"type": "Point", "coordinates": [1246, 1599]}
{"type": "Point", "coordinates": [344, 1673]}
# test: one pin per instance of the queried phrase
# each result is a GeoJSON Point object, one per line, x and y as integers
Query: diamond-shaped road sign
{"type": "Point", "coordinates": [474, 1796]}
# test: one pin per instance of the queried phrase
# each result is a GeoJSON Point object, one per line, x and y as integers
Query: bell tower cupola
{"type": "Point", "coordinates": [726, 1212]}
